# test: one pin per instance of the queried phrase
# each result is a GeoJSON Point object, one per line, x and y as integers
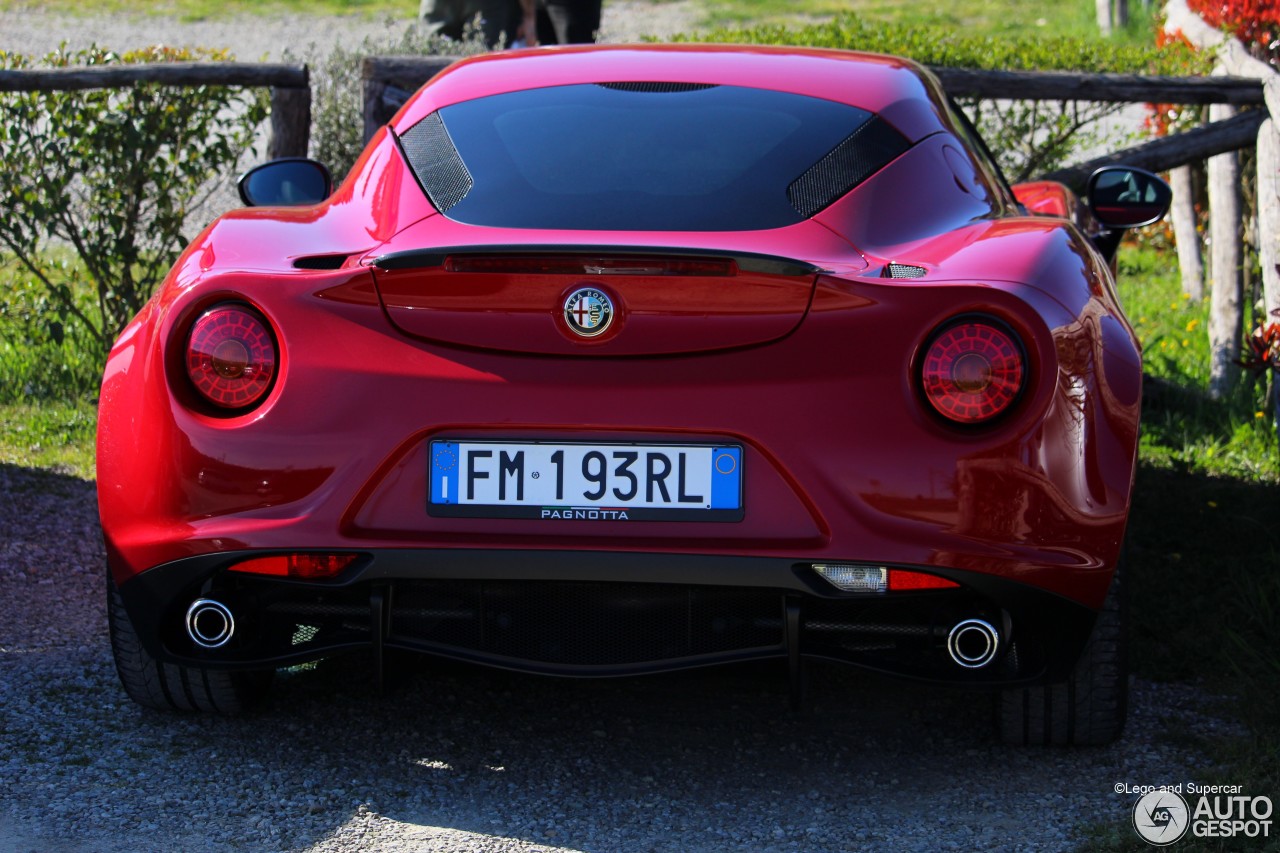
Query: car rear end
{"type": "Point", "coordinates": [624, 419]}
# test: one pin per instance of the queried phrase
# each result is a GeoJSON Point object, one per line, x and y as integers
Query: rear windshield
{"type": "Point", "coordinates": [644, 156]}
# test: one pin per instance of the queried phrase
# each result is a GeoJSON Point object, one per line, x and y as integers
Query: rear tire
{"type": "Point", "coordinates": [1090, 707]}
{"type": "Point", "coordinates": [171, 687]}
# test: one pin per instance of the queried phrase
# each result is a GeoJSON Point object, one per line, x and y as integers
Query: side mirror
{"type": "Point", "coordinates": [289, 181]}
{"type": "Point", "coordinates": [1122, 197]}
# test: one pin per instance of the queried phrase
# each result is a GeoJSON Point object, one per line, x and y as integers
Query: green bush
{"type": "Point", "coordinates": [337, 92]}
{"type": "Point", "coordinates": [1028, 139]}
{"type": "Point", "coordinates": [41, 356]}
{"type": "Point", "coordinates": [957, 49]}
{"type": "Point", "coordinates": [110, 174]}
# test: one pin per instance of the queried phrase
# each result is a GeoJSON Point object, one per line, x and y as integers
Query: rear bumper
{"type": "Point", "coordinates": [597, 613]}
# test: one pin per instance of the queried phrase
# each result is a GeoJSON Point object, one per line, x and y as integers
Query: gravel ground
{"type": "Point", "coordinates": [454, 758]}
{"type": "Point", "coordinates": [35, 32]}
{"type": "Point", "coordinates": [460, 759]}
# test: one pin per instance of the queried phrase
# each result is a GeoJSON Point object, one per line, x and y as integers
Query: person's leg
{"type": "Point", "coordinates": [576, 21]}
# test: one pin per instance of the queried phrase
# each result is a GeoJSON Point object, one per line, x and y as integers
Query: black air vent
{"type": "Point", "coordinates": [436, 163]}
{"type": "Point", "coordinates": [859, 156]}
{"type": "Point", "coordinates": [658, 87]}
{"type": "Point", "coordinates": [319, 262]}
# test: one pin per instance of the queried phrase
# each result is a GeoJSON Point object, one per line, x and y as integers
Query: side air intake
{"type": "Point", "coordinates": [859, 156]}
{"type": "Point", "coordinates": [436, 162]}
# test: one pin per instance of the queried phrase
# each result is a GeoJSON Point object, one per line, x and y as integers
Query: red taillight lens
{"type": "Point", "coordinates": [972, 372]}
{"type": "Point", "coordinates": [302, 566]}
{"type": "Point", "coordinates": [231, 356]}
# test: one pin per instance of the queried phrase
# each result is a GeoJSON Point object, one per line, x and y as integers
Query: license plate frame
{"type": "Point", "coordinates": [699, 482]}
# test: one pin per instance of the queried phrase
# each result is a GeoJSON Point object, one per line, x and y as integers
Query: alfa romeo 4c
{"type": "Point", "coordinates": [617, 360]}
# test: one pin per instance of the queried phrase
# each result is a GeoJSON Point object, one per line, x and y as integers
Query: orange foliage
{"type": "Point", "coordinates": [1254, 22]}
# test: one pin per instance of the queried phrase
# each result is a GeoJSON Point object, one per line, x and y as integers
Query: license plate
{"type": "Point", "coordinates": [564, 481]}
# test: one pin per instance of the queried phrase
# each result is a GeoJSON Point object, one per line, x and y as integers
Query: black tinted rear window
{"type": "Point", "coordinates": [642, 157]}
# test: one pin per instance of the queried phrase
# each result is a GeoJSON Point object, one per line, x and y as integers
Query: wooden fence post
{"type": "Point", "coordinates": [1185, 236]}
{"type": "Point", "coordinates": [1269, 202]}
{"type": "Point", "coordinates": [390, 80]}
{"type": "Point", "coordinates": [290, 122]}
{"type": "Point", "coordinates": [1225, 260]}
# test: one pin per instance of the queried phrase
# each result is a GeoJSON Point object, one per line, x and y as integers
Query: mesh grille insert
{"type": "Point", "coordinates": [859, 156]}
{"type": "Point", "coordinates": [905, 271]}
{"type": "Point", "coordinates": [656, 87]}
{"type": "Point", "coordinates": [436, 163]}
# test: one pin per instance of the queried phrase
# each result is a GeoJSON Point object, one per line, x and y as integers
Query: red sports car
{"type": "Point", "coordinates": [617, 360]}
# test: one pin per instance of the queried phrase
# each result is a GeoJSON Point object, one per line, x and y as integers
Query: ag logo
{"type": "Point", "coordinates": [1161, 817]}
{"type": "Point", "coordinates": [588, 311]}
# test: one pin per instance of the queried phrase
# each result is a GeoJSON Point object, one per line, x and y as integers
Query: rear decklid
{"type": "Point", "coordinates": [602, 295]}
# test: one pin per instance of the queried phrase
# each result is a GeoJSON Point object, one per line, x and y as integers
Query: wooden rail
{"type": "Point", "coordinates": [1112, 88]}
{"type": "Point", "coordinates": [290, 89]}
{"type": "Point", "coordinates": [1170, 152]}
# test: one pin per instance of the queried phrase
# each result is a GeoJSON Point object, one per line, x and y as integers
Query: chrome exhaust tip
{"type": "Point", "coordinates": [209, 623]}
{"type": "Point", "coordinates": [973, 643]}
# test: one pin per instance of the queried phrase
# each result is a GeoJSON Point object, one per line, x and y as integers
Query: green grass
{"type": "Point", "coordinates": [198, 10]}
{"type": "Point", "coordinates": [972, 17]}
{"type": "Point", "coordinates": [986, 17]}
{"type": "Point", "coordinates": [1184, 430]}
{"type": "Point", "coordinates": [54, 436]}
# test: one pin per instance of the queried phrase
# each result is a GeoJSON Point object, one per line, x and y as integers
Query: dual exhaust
{"type": "Point", "coordinates": [973, 643]}
{"type": "Point", "coordinates": [210, 624]}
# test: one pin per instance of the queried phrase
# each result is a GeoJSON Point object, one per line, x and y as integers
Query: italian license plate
{"type": "Point", "coordinates": [590, 482]}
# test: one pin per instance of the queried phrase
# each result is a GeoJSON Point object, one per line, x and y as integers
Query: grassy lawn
{"type": "Point", "coordinates": [985, 17]}
{"type": "Point", "coordinates": [52, 435]}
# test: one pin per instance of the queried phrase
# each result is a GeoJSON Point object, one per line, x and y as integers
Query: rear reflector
{"type": "Point", "coordinates": [900, 580]}
{"type": "Point", "coordinates": [854, 578]}
{"type": "Point", "coordinates": [301, 566]}
{"type": "Point", "coordinates": [589, 265]}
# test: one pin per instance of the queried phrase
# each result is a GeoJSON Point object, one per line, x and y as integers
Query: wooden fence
{"type": "Point", "coordinates": [290, 89]}
{"type": "Point", "coordinates": [388, 82]}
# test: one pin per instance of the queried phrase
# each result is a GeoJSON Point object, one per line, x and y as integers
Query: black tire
{"type": "Point", "coordinates": [1090, 707]}
{"type": "Point", "coordinates": [170, 687]}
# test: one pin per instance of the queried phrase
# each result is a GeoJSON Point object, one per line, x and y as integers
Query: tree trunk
{"type": "Point", "coordinates": [1225, 316]}
{"type": "Point", "coordinates": [1103, 8]}
{"type": "Point", "coordinates": [1183, 214]}
{"type": "Point", "coordinates": [1122, 14]}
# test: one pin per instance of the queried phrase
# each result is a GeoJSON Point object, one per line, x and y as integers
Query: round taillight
{"type": "Point", "coordinates": [231, 356]}
{"type": "Point", "coordinates": [972, 372]}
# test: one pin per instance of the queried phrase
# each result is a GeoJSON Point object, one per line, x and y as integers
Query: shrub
{"type": "Point", "coordinates": [111, 174]}
{"type": "Point", "coordinates": [337, 93]}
